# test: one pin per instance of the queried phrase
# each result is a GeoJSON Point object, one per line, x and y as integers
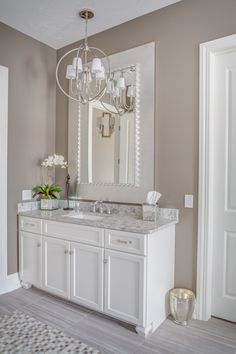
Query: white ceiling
{"type": "Point", "coordinates": [56, 23]}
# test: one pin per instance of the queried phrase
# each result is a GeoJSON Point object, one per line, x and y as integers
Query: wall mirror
{"type": "Point", "coordinates": [107, 133]}
{"type": "Point", "coordinates": [111, 141]}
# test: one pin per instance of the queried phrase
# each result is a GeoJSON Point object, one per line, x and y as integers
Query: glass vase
{"type": "Point", "coordinates": [49, 204]}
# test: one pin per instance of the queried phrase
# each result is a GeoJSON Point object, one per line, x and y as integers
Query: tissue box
{"type": "Point", "coordinates": [150, 212]}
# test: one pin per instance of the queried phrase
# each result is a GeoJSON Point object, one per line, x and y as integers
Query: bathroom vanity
{"type": "Point", "coordinates": [116, 264]}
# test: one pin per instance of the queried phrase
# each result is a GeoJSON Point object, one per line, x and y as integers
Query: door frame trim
{"type": "Point", "coordinates": [7, 282]}
{"type": "Point", "coordinates": [3, 174]}
{"type": "Point", "coordinates": [205, 193]}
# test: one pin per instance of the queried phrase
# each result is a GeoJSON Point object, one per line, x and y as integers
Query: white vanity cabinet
{"type": "Point", "coordinates": [31, 251]}
{"type": "Point", "coordinates": [125, 275]}
{"type": "Point", "coordinates": [31, 258]}
{"type": "Point", "coordinates": [87, 275]}
{"type": "Point", "coordinates": [56, 266]}
{"type": "Point", "coordinates": [125, 286]}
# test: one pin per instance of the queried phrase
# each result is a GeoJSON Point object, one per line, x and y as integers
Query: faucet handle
{"type": "Point", "coordinates": [77, 204]}
{"type": "Point", "coordinates": [101, 206]}
{"type": "Point", "coordinates": [107, 209]}
{"type": "Point", "coordinates": [93, 207]}
{"type": "Point", "coordinates": [97, 205]}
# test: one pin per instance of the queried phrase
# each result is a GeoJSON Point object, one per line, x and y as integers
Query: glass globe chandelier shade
{"type": "Point", "coordinates": [87, 70]}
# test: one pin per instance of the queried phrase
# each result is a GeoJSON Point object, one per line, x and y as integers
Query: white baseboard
{"type": "Point", "coordinates": [11, 283]}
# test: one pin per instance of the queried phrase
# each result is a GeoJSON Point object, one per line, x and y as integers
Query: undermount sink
{"type": "Point", "coordinates": [84, 216]}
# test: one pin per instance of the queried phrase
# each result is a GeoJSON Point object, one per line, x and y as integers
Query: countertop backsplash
{"type": "Point", "coordinates": [116, 208]}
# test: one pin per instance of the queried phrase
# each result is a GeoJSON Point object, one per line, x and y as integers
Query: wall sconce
{"type": "Point", "coordinates": [106, 125]}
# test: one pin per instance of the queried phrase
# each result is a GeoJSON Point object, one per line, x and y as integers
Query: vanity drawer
{"type": "Point", "coordinates": [77, 233]}
{"type": "Point", "coordinates": [125, 241]}
{"type": "Point", "coordinates": [30, 224]}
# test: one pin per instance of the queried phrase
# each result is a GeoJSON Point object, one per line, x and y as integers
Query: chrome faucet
{"type": "Point", "coordinates": [100, 207]}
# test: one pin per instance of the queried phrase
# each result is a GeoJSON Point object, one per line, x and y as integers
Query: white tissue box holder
{"type": "Point", "coordinates": [150, 212]}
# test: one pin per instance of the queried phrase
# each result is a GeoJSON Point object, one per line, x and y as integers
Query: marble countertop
{"type": "Point", "coordinates": [113, 221]}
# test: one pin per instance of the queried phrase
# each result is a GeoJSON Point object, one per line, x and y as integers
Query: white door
{"type": "Point", "coordinates": [31, 258]}
{"type": "Point", "coordinates": [224, 187]}
{"type": "Point", "coordinates": [87, 275]}
{"type": "Point", "coordinates": [124, 286]}
{"type": "Point", "coordinates": [56, 266]}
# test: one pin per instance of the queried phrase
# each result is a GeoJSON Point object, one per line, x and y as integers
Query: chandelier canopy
{"type": "Point", "coordinates": [89, 71]}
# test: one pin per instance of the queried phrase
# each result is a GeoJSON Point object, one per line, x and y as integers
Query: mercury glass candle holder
{"type": "Point", "coordinates": [182, 305]}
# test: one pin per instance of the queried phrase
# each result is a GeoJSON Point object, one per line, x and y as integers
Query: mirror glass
{"type": "Point", "coordinates": [107, 130]}
{"type": "Point", "coordinates": [111, 141]}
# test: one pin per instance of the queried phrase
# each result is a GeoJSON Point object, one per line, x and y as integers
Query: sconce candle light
{"type": "Point", "coordinates": [106, 125]}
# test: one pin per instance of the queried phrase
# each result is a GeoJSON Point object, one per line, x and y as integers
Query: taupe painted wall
{"type": "Point", "coordinates": [32, 108]}
{"type": "Point", "coordinates": [177, 31]}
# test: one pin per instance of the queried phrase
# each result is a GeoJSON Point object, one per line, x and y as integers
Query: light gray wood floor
{"type": "Point", "coordinates": [215, 336]}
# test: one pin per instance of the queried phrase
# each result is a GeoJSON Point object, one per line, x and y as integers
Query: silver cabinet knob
{"type": "Point", "coordinates": [38, 244]}
{"type": "Point", "coordinates": [105, 261]}
{"type": "Point", "coordinates": [66, 251]}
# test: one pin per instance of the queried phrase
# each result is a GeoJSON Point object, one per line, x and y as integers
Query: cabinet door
{"type": "Point", "coordinates": [56, 266]}
{"type": "Point", "coordinates": [87, 275]}
{"type": "Point", "coordinates": [31, 258]}
{"type": "Point", "coordinates": [125, 286]}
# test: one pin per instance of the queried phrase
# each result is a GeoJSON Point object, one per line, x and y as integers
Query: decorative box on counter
{"type": "Point", "coordinates": [150, 212]}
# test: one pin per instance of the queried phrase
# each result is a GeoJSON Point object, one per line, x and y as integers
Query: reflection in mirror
{"type": "Point", "coordinates": [120, 91]}
{"type": "Point", "coordinates": [107, 132]}
{"type": "Point", "coordinates": [107, 148]}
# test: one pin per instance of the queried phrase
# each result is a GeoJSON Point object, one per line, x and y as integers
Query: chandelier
{"type": "Point", "coordinates": [89, 71]}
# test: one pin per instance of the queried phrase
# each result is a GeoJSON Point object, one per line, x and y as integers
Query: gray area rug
{"type": "Point", "coordinates": [22, 334]}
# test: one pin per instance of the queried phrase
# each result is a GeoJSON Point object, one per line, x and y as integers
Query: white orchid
{"type": "Point", "coordinates": [54, 160]}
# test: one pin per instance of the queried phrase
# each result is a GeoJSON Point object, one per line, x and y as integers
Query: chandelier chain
{"type": "Point", "coordinates": [86, 31]}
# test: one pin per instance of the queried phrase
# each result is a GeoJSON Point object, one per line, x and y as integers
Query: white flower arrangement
{"type": "Point", "coordinates": [54, 160]}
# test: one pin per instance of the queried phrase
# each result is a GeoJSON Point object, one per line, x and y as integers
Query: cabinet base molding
{"type": "Point", "coordinates": [25, 285]}
{"type": "Point", "coordinates": [144, 331]}
{"type": "Point", "coordinates": [147, 331]}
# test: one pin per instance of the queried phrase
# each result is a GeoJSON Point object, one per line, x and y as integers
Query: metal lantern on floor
{"type": "Point", "coordinates": [182, 304]}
